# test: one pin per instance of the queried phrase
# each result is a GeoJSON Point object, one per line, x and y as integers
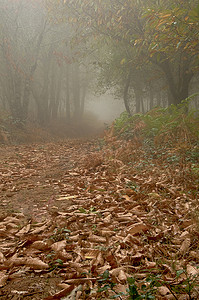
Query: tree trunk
{"type": "Point", "coordinates": [67, 99]}
{"type": "Point", "coordinates": [125, 95]}
{"type": "Point", "coordinates": [76, 92]}
{"type": "Point", "coordinates": [180, 91]}
{"type": "Point", "coordinates": [26, 98]}
{"type": "Point", "coordinates": [151, 97]}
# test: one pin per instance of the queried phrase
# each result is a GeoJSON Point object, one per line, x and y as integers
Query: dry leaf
{"type": "Point", "coordinates": [96, 239]}
{"type": "Point", "coordinates": [192, 270]}
{"type": "Point", "coordinates": [79, 280]}
{"type": "Point", "coordinates": [61, 198]}
{"type": "Point", "coordinates": [59, 246]}
{"type": "Point", "coordinates": [185, 246]}
{"type": "Point", "coordinates": [61, 294]}
{"type": "Point", "coordinates": [39, 229]}
{"type": "Point", "coordinates": [138, 228]}
{"type": "Point", "coordinates": [24, 230]}
{"type": "Point", "coordinates": [36, 264]}
{"type": "Point", "coordinates": [107, 220]}
{"type": "Point", "coordinates": [163, 290]}
{"type": "Point", "coordinates": [91, 254]}
{"type": "Point", "coordinates": [99, 260]}
{"type": "Point", "coordinates": [40, 245]}
{"type": "Point", "coordinates": [2, 258]}
{"type": "Point", "coordinates": [122, 276]}
{"type": "Point", "coordinates": [3, 278]}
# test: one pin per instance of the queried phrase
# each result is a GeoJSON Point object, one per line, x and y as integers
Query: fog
{"type": "Point", "coordinates": [53, 66]}
{"type": "Point", "coordinates": [106, 108]}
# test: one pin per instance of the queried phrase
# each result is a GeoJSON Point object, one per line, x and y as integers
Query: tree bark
{"type": "Point", "coordinates": [125, 95]}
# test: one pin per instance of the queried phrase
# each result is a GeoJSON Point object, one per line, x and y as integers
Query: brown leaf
{"type": "Point", "coordinates": [61, 294]}
{"type": "Point", "coordinates": [58, 246]}
{"type": "Point", "coordinates": [91, 254]}
{"type": "Point", "coordinates": [39, 229]}
{"type": "Point", "coordinates": [36, 264]}
{"type": "Point", "coordinates": [112, 260]}
{"type": "Point", "coordinates": [74, 238]}
{"type": "Point", "coordinates": [138, 228]}
{"type": "Point", "coordinates": [163, 290]}
{"type": "Point", "coordinates": [131, 240]}
{"type": "Point", "coordinates": [107, 220]}
{"type": "Point", "coordinates": [96, 239]}
{"type": "Point", "coordinates": [122, 276]}
{"type": "Point", "coordinates": [136, 258]}
{"type": "Point", "coordinates": [78, 281]}
{"type": "Point", "coordinates": [3, 278]}
{"type": "Point", "coordinates": [24, 230]}
{"type": "Point", "coordinates": [191, 270]}
{"type": "Point", "coordinates": [185, 246]}
{"type": "Point", "coordinates": [2, 258]}
{"type": "Point", "coordinates": [40, 245]}
{"type": "Point", "coordinates": [99, 260]}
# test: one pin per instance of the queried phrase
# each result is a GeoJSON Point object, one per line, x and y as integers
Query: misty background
{"type": "Point", "coordinates": [54, 72]}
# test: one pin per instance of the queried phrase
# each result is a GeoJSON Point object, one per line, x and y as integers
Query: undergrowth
{"type": "Point", "coordinates": [171, 126]}
{"type": "Point", "coordinates": [152, 286]}
{"type": "Point", "coordinates": [169, 134]}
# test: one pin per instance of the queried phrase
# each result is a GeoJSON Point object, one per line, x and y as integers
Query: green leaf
{"type": "Point", "coordinates": [179, 272]}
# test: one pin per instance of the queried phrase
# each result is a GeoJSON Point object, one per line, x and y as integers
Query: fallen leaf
{"type": "Point", "coordinates": [191, 270]}
{"type": "Point", "coordinates": [185, 246]}
{"type": "Point", "coordinates": [61, 294]}
{"type": "Point", "coordinates": [3, 278]}
{"type": "Point", "coordinates": [58, 246]}
{"type": "Point", "coordinates": [24, 230]}
{"type": "Point", "coordinates": [36, 264]}
{"type": "Point", "coordinates": [163, 290]}
{"type": "Point", "coordinates": [40, 245]}
{"type": "Point", "coordinates": [122, 276]}
{"type": "Point", "coordinates": [138, 228]}
{"type": "Point", "coordinates": [2, 258]}
{"type": "Point", "coordinates": [96, 239]}
{"type": "Point", "coordinates": [66, 198]}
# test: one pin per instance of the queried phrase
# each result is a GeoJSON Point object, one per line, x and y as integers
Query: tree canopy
{"type": "Point", "coordinates": [165, 34]}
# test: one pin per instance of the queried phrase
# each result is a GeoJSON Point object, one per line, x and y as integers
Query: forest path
{"type": "Point", "coordinates": [33, 176]}
{"type": "Point", "coordinates": [70, 211]}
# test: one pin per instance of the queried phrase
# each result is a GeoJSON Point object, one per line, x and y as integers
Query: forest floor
{"type": "Point", "coordinates": [76, 217]}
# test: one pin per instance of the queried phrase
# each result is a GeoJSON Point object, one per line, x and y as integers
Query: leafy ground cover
{"type": "Point", "coordinates": [114, 217]}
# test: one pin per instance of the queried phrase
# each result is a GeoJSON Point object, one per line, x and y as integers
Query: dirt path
{"type": "Point", "coordinates": [32, 177]}
{"type": "Point", "coordinates": [67, 215]}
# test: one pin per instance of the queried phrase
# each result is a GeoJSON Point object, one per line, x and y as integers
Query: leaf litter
{"type": "Point", "coordinates": [71, 211]}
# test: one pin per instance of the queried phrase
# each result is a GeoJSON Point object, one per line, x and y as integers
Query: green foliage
{"type": "Point", "coordinates": [170, 125]}
{"type": "Point", "coordinates": [91, 210]}
{"type": "Point", "coordinates": [60, 234]}
{"type": "Point", "coordinates": [147, 288]}
{"type": "Point", "coordinates": [53, 262]}
{"type": "Point", "coordinates": [174, 28]}
{"type": "Point", "coordinates": [105, 284]}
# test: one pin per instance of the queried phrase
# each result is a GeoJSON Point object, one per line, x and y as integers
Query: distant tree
{"type": "Point", "coordinates": [23, 27]}
{"type": "Point", "coordinates": [159, 31]}
{"type": "Point", "coordinates": [41, 74]}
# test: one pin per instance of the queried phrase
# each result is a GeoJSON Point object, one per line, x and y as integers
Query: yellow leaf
{"type": "Point", "coordinates": [166, 16]}
{"type": "Point", "coordinates": [66, 198]}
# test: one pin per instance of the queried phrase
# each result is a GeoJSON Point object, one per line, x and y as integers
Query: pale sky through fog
{"type": "Point", "coordinates": [105, 107]}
